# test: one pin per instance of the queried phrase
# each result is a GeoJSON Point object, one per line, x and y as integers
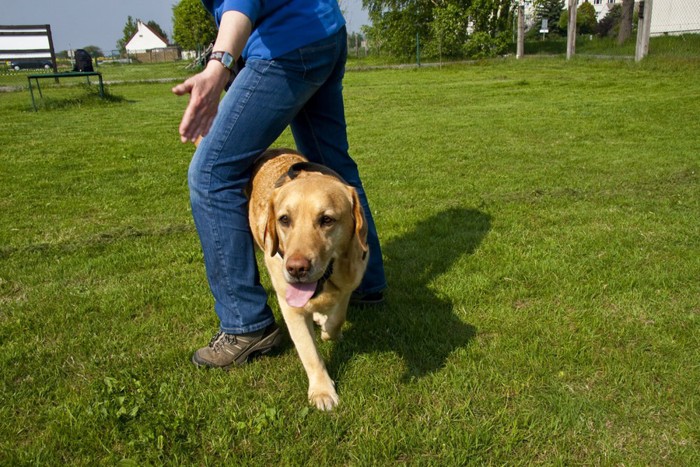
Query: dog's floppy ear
{"type": "Point", "coordinates": [358, 215]}
{"type": "Point", "coordinates": [271, 230]}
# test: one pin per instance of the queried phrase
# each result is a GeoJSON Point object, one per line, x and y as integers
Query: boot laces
{"type": "Point", "coordinates": [221, 338]}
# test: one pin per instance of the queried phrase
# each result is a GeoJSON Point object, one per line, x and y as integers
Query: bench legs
{"type": "Point", "coordinates": [31, 91]}
{"type": "Point", "coordinates": [56, 76]}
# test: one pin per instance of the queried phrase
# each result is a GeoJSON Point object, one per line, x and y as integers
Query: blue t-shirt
{"type": "Point", "coordinates": [280, 26]}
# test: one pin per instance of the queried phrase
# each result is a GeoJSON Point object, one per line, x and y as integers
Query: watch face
{"type": "Point", "coordinates": [227, 60]}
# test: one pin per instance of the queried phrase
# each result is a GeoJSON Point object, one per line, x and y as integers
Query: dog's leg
{"type": "Point", "coordinates": [332, 326]}
{"type": "Point", "coordinates": [321, 388]}
{"type": "Point", "coordinates": [320, 319]}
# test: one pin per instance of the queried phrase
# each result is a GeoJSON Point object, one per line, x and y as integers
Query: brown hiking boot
{"type": "Point", "coordinates": [226, 350]}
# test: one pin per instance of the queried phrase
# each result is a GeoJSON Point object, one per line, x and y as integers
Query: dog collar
{"type": "Point", "coordinates": [321, 282]}
{"type": "Point", "coordinates": [299, 167]}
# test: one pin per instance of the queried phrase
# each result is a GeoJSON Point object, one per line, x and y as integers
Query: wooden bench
{"type": "Point", "coordinates": [57, 76]}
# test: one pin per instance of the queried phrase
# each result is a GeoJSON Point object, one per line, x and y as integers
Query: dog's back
{"type": "Point", "coordinates": [268, 169]}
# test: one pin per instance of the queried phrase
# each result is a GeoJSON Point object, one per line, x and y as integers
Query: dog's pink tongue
{"type": "Point", "coordinates": [298, 294]}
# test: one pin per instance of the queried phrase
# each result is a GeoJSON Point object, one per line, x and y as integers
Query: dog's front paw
{"type": "Point", "coordinates": [324, 399]}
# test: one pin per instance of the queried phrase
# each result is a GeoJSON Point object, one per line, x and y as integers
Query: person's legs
{"type": "Point", "coordinates": [251, 116]}
{"type": "Point", "coordinates": [260, 104]}
{"type": "Point", "coordinates": [319, 131]}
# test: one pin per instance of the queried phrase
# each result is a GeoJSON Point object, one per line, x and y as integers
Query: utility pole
{"type": "Point", "coordinates": [571, 31]}
{"type": "Point", "coordinates": [521, 30]}
{"type": "Point", "coordinates": [643, 27]}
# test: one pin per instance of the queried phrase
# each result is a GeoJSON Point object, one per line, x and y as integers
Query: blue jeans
{"type": "Point", "coordinates": [302, 89]}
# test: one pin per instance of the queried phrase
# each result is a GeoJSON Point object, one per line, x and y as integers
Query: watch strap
{"type": "Point", "coordinates": [225, 58]}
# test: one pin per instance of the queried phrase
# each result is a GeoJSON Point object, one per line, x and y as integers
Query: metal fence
{"type": "Point", "coordinates": [675, 17]}
{"type": "Point", "coordinates": [675, 28]}
{"type": "Point", "coordinates": [672, 28]}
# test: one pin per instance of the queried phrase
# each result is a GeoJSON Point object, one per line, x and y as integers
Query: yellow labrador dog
{"type": "Point", "coordinates": [311, 226]}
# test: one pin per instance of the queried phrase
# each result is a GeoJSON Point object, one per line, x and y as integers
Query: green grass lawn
{"type": "Point", "coordinates": [539, 221]}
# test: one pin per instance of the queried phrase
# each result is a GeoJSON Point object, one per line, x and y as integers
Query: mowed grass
{"type": "Point", "coordinates": [539, 221]}
{"type": "Point", "coordinates": [111, 72]}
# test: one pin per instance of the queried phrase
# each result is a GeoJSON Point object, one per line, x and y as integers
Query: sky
{"type": "Point", "coordinates": [80, 23]}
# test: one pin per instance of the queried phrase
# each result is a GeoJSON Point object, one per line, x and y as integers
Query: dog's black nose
{"type": "Point", "coordinates": [298, 266]}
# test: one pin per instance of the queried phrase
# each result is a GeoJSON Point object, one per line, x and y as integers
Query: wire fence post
{"type": "Point", "coordinates": [571, 31]}
{"type": "Point", "coordinates": [643, 27]}
{"type": "Point", "coordinates": [520, 51]}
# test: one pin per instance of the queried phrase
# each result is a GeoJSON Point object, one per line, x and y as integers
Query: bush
{"type": "Point", "coordinates": [449, 31]}
{"type": "Point", "coordinates": [482, 45]}
{"type": "Point", "coordinates": [609, 25]}
{"type": "Point", "coordinates": [586, 22]}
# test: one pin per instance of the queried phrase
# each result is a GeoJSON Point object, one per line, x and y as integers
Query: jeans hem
{"type": "Point", "coordinates": [246, 329]}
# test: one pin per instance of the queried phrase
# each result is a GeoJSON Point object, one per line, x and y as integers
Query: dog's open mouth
{"type": "Point", "coordinates": [298, 294]}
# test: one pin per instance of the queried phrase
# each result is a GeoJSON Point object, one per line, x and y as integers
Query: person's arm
{"type": "Point", "coordinates": [205, 88]}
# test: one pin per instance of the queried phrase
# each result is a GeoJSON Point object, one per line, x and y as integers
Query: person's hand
{"type": "Point", "coordinates": [205, 91]}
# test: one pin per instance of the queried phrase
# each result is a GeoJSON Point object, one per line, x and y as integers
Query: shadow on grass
{"type": "Point", "coordinates": [417, 323]}
{"type": "Point", "coordinates": [89, 98]}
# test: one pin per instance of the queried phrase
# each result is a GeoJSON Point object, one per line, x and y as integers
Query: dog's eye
{"type": "Point", "coordinates": [327, 221]}
{"type": "Point", "coordinates": [284, 221]}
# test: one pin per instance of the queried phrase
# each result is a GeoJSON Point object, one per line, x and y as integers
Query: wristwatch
{"type": "Point", "coordinates": [225, 58]}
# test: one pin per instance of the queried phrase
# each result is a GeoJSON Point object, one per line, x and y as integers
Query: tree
{"type": "Point", "coordinates": [155, 27]}
{"type": "Point", "coordinates": [395, 24]}
{"type": "Point", "coordinates": [193, 27]}
{"type": "Point", "coordinates": [492, 17]}
{"type": "Point", "coordinates": [94, 51]}
{"type": "Point", "coordinates": [129, 30]}
{"type": "Point", "coordinates": [625, 21]}
{"type": "Point", "coordinates": [586, 22]}
{"type": "Point", "coordinates": [609, 24]}
{"type": "Point", "coordinates": [355, 40]}
{"type": "Point", "coordinates": [449, 30]}
{"type": "Point", "coordinates": [440, 25]}
{"type": "Point", "coordinates": [552, 10]}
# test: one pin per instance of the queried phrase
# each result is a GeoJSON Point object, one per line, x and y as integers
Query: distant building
{"type": "Point", "coordinates": [144, 39]}
{"type": "Point", "coordinates": [602, 7]}
{"type": "Point", "coordinates": [146, 45]}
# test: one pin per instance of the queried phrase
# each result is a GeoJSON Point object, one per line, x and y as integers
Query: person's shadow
{"type": "Point", "coordinates": [415, 322]}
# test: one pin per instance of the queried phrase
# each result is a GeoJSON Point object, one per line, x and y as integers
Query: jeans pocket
{"type": "Point", "coordinates": [318, 61]}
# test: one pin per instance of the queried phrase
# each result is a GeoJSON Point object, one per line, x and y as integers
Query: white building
{"type": "Point", "coordinates": [144, 39]}
{"type": "Point", "coordinates": [602, 7]}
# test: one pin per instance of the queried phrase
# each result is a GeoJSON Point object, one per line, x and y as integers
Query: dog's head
{"type": "Point", "coordinates": [313, 219]}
